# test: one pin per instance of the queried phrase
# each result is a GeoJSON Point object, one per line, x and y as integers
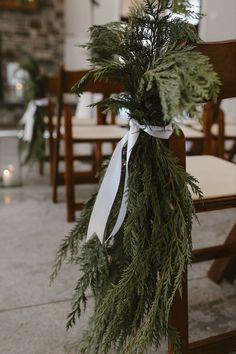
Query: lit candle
{"type": "Point", "coordinates": [7, 177]}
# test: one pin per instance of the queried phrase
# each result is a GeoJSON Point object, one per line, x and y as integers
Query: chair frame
{"type": "Point", "coordinates": [49, 89]}
{"type": "Point", "coordinates": [222, 55]}
{"type": "Point", "coordinates": [70, 176]}
{"type": "Point", "coordinates": [212, 112]}
{"type": "Point", "coordinates": [67, 79]}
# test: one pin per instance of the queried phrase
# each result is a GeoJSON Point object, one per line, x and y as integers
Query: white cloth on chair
{"type": "Point", "coordinates": [28, 117]}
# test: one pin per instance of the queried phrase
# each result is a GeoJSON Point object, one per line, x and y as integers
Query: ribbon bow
{"type": "Point", "coordinates": [28, 117]}
{"type": "Point", "coordinates": [105, 200]}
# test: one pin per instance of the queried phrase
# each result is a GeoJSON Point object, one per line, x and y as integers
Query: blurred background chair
{"type": "Point", "coordinates": [219, 129]}
{"type": "Point", "coordinates": [74, 131]}
{"type": "Point", "coordinates": [83, 134]}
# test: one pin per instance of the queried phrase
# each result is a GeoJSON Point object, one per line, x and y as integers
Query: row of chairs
{"type": "Point", "coordinates": [217, 177]}
{"type": "Point", "coordinates": [207, 138]}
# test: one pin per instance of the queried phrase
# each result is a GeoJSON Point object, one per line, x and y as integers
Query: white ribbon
{"type": "Point", "coordinates": [28, 117]}
{"type": "Point", "coordinates": [111, 181]}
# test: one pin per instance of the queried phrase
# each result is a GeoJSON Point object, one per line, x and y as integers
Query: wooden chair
{"type": "Point", "coordinates": [67, 79]}
{"type": "Point", "coordinates": [210, 135]}
{"type": "Point", "coordinates": [217, 180]}
{"type": "Point", "coordinates": [223, 131]}
{"type": "Point", "coordinates": [50, 89]}
{"type": "Point", "coordinates": [82, 134]}
{"type": "Point", "coordinates": [216, 129]}
{"type": "Point", "coordinates": [194, 134]}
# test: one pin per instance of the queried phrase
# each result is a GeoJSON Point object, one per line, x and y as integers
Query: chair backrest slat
{"type": "Point", "coordinates": [69, 78]}
{"type": "Point", "coordinates": [50, 85]}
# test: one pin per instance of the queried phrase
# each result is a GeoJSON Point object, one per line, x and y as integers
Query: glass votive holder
{"type": "Point", "coordinates": [10, 164]}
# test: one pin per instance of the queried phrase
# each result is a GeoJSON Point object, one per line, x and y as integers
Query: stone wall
{"type": "Point", "coordinates": [39, 33]}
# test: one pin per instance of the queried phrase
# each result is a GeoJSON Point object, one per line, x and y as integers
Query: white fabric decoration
{"type": "Point", "coordinates": [111, 181]}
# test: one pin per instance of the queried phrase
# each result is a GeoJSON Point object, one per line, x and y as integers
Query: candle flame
{"type": "Point", "coordinates": [6, 173]}
{"type": "Point", "coordinates": [19, 86]}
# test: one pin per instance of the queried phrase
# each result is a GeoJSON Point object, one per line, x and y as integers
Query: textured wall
{"type": "Point", "coordinates": [40, 33]}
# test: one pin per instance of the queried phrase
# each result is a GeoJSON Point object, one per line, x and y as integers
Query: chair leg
{"type": "Point", "coordinates": [51, 142]}
{"type": "Point", "coordinates": [221, 135]}
{"type": "Point", "coordinates": [69, 171]}
{"type": "Point", "coordinates": [179, 319]}
{"type": "Point", "coordinates": [232, 152]}
{"type": "Point", "coordinates": [225, 268]}
{"type": "Point", "coordinates": [207, 122]}
{"type": "Point", "coordinates": [55, 163]}
{"type": "Point", "coordinates": [98, 154]}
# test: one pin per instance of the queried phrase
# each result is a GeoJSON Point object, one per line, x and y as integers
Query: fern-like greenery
{"type": "Point", "coordinates": [135, 275]}
{"type": "Point", "coordinates": [35, 149]}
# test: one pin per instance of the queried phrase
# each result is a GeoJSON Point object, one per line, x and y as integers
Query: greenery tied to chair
{"type": "Point", "coordinates": [34, 150]}
{"type": "Point", "coordinates": [135, 275]}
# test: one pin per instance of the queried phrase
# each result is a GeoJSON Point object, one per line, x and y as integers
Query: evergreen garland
{"type": "Point", "coordinates": [135, 275]}
{"type": "Point", "coordinates": [35, 149]}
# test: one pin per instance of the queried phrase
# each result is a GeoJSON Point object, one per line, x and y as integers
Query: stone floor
{"type": "Point", "coordinates": [33, 315]}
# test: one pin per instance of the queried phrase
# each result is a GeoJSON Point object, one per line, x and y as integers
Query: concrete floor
{"type": "Point", "coordinates": [33, 315]}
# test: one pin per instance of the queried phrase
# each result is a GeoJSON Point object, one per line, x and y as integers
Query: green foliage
{"type": "Point", "coordinates": [135, 275]}
{"type": "Point", "coordinates": [33, 85]}
{"type": "Point", "coordinates": [35, 149]}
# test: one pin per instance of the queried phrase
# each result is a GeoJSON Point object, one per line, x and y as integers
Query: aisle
{"type": "Point", "coordinates": [33, 315]}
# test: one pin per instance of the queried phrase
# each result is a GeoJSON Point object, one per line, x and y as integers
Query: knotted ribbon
{"type": "Point", "coordinates": [28, 117]}
{"type": "Point", "coordinates": [111, 181]}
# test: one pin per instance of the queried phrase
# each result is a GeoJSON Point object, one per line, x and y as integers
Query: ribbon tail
{"type": "Point", "coordinates": [132, 138]}
{"type": "Point", "coordinates": [107, 193]}
{"type": "Point", "coordinates": [28, 117]}
{"type": "Point", "coordinates": [28, 120]}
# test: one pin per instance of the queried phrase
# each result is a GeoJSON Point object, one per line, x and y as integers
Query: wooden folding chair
{"type": "Point", "coordinates": [67, 79]}
{"type": "Point", "coordinates": [217, 179]}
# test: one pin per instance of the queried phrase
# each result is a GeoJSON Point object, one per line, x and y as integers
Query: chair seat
{"type": "Point", "coordinates": [190, 122]}
{"type": "Point", "coordinates": [191, 133]}
{"type": "Point", "coordinates": [230, 130]}
{"type": "Point", "coordinates": [97, 133]}
{"type": "Point", "coordinates": [75, 121]}
{"type": "Point", "coordinates": [193, 123]}
{"type": "Point", "coordinates": [122, 122]}
{"type": "Point", "coordinates": [217, 177]}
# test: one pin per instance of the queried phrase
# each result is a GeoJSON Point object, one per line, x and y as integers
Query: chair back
{"type": "Point", "coordinates": [68, 78]}
{"type": "Point", "coordinates": [50, 85]}
{"type": "Point", "coordinates": [222, 56]}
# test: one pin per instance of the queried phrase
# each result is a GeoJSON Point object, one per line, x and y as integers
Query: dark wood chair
{"type": "Point", "coordinates": [83, 134]}
{"type": "Point", "coordinates": [223, 131]}
{"type": "Point", "coordinates": [217, 180]}
{"type": "Point", "coordinates": [67, 79]}
{"type": "Point", "coordinates": [217, 129]}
